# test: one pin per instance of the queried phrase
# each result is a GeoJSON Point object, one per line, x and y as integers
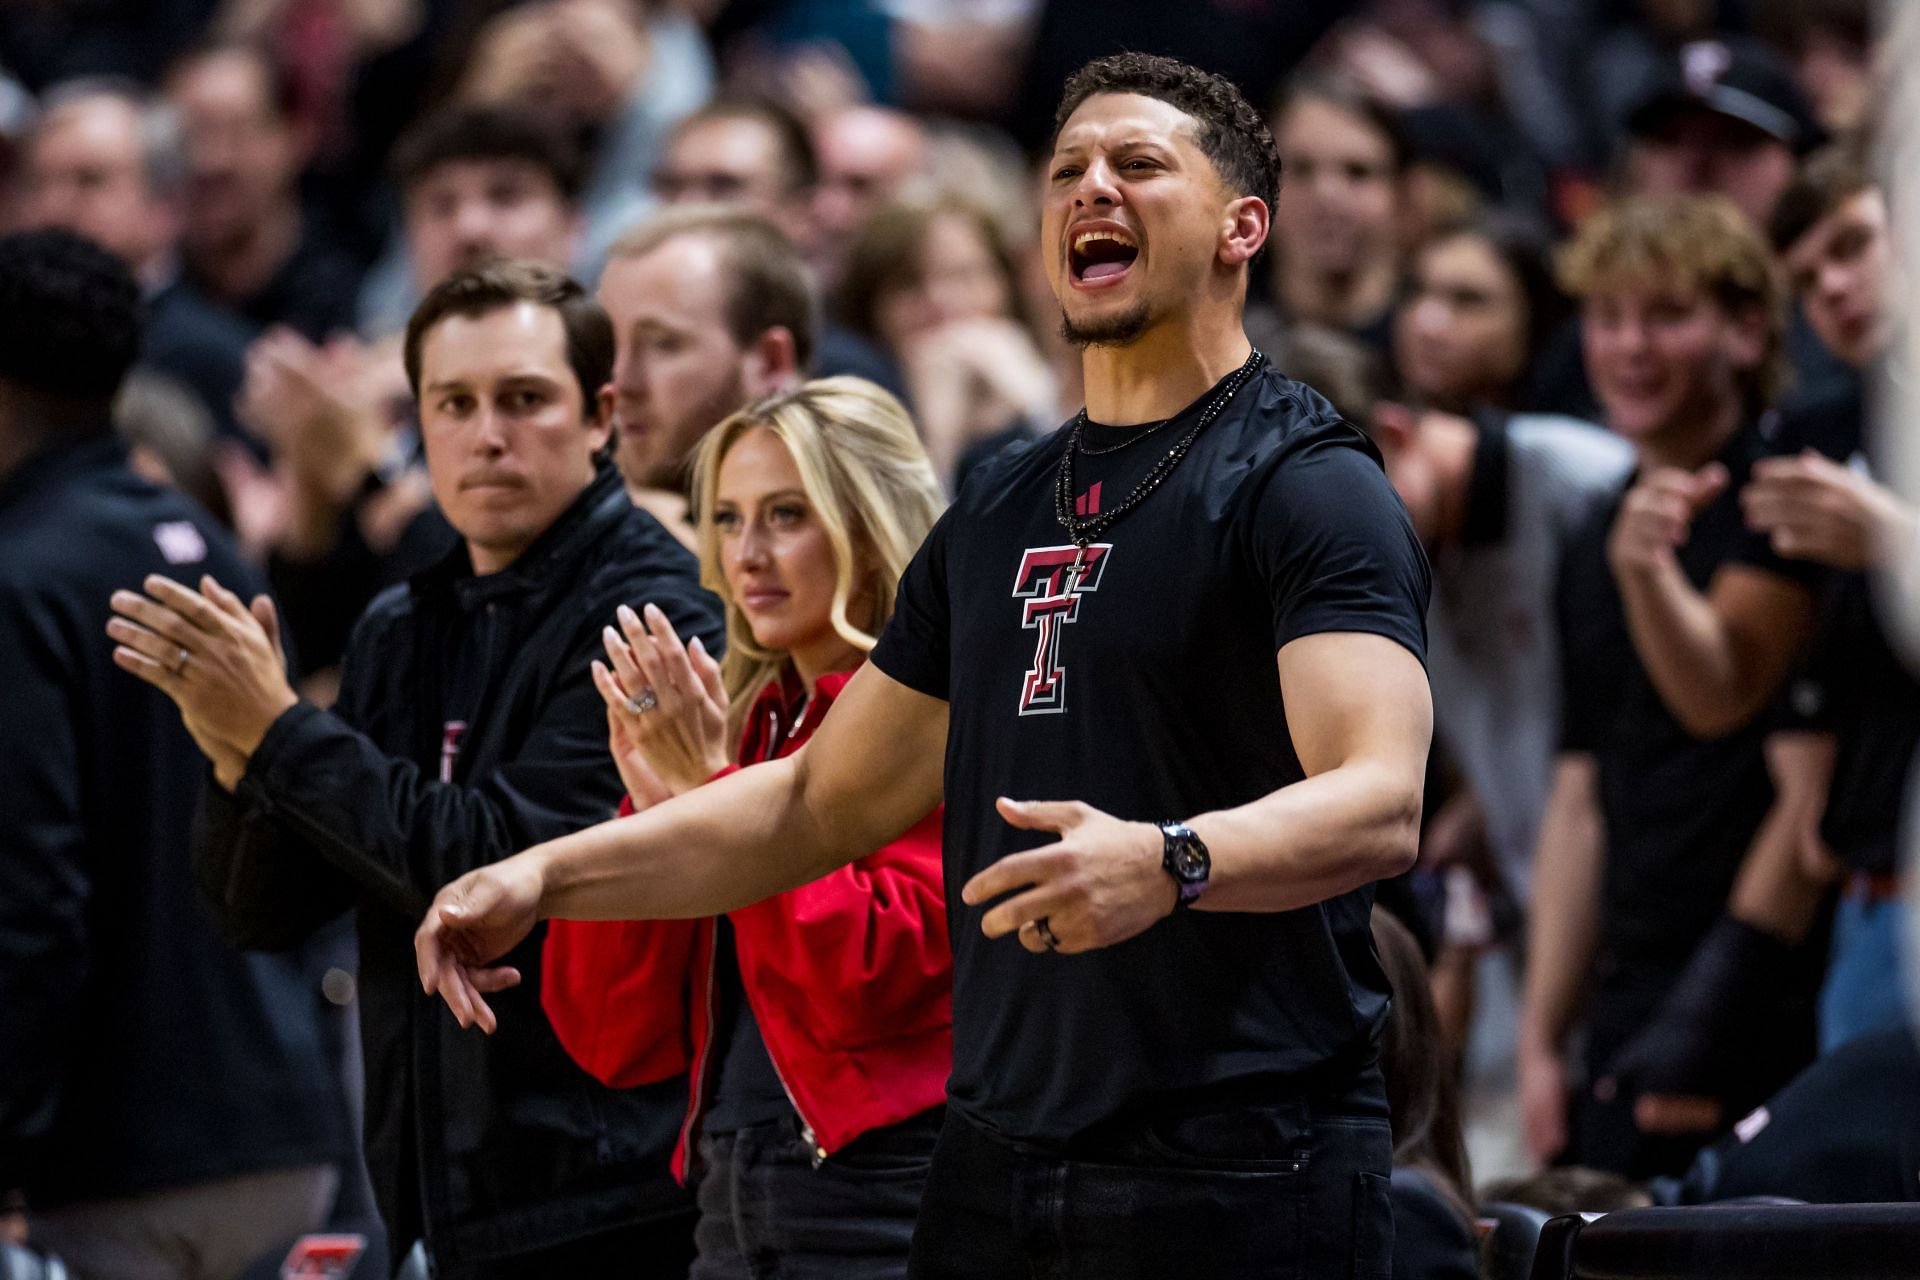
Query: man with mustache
{"type": "Point", "coordinates": [467, 727]}
{"type": "Point", "coordinates": [1165, 668]}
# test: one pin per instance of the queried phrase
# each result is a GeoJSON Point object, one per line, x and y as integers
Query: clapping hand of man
{"type": "Point", "coordinates": [1657, 516]}
{"type": "Point", "coordinates": [1102, 882]}
{"type": "Point", "coordinates": [1812, 508]}
{"type": "Point", "coordinates": [218, 657]}
{"type": "Point", "coordinates": [666, 707]}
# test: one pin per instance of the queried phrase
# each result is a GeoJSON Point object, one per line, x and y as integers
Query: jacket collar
{"type": "Point", "coordinates": [783, 710]}
{"type": "Point", "coordinates": [585, 521]}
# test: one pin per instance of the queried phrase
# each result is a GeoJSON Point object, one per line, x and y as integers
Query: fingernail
{"type": "Point", "coordinates": [698, 645]}
{"type": "Point", "coordinates": [609, 633]}
{"type": "Point", "coordinates": [653, 611]}
{"type": "Point", "coordinates": [627, 614]}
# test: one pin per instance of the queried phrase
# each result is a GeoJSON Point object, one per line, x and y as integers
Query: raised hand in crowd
{"type": "Point", "coordinates": [579, 58]}
{"type": "Point", "coordinates": [218, 657]}
{"type": "Point", "coordinates": [1812, 508]}
{"type": "Point", "coordinates": [666, 707]}
{"type": "Point", "coordinates": [970, 378]}
{"type": "Point", "coordinates": [1657, 516]}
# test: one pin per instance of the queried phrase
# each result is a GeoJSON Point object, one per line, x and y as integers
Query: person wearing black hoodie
{"type": "Point", "coordinates": [467, 726]}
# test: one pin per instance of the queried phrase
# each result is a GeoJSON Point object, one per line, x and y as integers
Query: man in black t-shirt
{"type": "Point", "coordinates": [1139, 1088]}
{"type": "Point", "coordinates": [1668, 885]}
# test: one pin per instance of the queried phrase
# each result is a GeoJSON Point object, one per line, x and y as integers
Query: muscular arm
{"type": "Point", "coordinates": [1361, 716]}
{"type": "Point", "coordinates": [1717, 657]}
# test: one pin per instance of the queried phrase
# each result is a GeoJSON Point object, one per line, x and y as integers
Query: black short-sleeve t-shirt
{"type": "Point", "coordinates": [1679, 812]}
{"type": "Point", "coordinates": [1151, 694]}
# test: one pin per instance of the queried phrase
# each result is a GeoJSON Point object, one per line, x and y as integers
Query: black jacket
{"type": "Point", "coordinates": [137, 1050]}
{"type": "Point", "coordinates": [467, 729]}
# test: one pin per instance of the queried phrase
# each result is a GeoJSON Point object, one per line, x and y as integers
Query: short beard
{"type": "Point", "coordinates": [1114, 331]}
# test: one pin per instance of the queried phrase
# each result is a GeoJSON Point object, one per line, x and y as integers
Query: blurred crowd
{"type": "Point", "coordinates": [1609, 283]}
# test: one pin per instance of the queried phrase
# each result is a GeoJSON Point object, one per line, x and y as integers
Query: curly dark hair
{"type": "Point", "coordinates": [1228, 130]}
{"type": "Point", "coordinates": [70, 323]}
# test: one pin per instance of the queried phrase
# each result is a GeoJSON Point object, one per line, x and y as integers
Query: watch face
{"type": "Point", "coordinates": [1189, 863]}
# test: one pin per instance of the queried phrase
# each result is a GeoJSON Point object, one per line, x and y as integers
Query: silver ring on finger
{"type": "Point", "coordinates": [179, 666]}
{"type": "Point", "coordinates": [1045, 931]}
{"type": "Point", "coordinates": [646, 702]}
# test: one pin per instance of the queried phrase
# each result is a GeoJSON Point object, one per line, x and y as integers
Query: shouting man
{"type": "Point", "coordinates": [1161, 842]}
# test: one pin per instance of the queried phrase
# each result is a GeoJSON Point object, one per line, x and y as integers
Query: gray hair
{"type": "Point", "coordinates": [163, 154]}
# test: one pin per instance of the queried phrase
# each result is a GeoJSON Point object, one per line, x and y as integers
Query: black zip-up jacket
{"type": "Point", "coordinates": [467, 729]}
{"type": "Point", "coordinates": [138, 1051]}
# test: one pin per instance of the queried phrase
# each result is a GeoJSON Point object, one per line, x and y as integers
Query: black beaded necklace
{"type": "Point", "coordinates": [1083, 530]}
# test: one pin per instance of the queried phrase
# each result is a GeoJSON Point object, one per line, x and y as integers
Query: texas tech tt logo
{"type": "Point", "coordinates": [1050, 588]}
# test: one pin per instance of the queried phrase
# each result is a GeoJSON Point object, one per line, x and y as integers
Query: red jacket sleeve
{"type": "Point", "coordinates": [616, 993]}
{"type": "Point", "coordinates": [871, 935]}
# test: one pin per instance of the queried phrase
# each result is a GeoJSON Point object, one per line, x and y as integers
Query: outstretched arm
{"type": "Point", "coordinates": [872, 770]}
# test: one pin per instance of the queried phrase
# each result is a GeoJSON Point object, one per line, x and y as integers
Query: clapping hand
{"type": "Point", "coordinates": [666, 707]}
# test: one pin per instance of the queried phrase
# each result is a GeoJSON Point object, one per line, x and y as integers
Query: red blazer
{"type": "Point", "coordinates": [850, 977]}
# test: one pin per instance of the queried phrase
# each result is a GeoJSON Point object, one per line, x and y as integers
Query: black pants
{"type": "Point", "coordinates": [767, 1211]}
{"type": "Point", "coordinates": [1291, 1189]}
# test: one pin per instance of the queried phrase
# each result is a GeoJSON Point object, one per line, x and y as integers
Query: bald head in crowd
{"type": "Point", "coordinates": [712, 309]}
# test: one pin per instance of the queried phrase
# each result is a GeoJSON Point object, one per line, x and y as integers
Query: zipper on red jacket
{"type": "Point", "coordinates": [816, 1154]}
{"type": "Point", "coordinates": [698, 1080]}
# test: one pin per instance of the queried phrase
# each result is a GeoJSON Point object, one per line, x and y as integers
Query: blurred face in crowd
{"type": "Point", "coordinates": [1706, 153]}
{"type": "Point", "coordinates": [954, 276]}
{"type": "Point", "coordinates": [774, 553]}
{"type": "Point", "coordinates": [1336, 208]}
{"type": "Point", "coordinates": [733, 161]}
{"type": "Point", "coordinates": [678, 370]}
{"type": "Point", "coordinates": [465, 212]}
{"type": "Point", "coordinates": [1666, 361]}
{"type": "Point", "coordinates": [242, 156]}
{"type": "Point", "coordinates": [1461, 336]}
{"type": "Point", "coordinates": [85, 171]}
{"type": "Point", "coordinates": [1131, 220]}
{"type": "Point", "coordinates": [509, 436]}
{"type": "Point", "coordinates": [1839, 270]}
{"type": "Point", "coordinates": [866, 155]}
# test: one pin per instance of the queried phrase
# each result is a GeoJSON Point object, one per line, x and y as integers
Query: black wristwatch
{"type": "Point", "coordinates": [1186, 859]}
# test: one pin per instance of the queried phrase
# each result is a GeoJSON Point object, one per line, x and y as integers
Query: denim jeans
{"type": "Point", "coordinates": [1865, 988]}
{"type": "Point", "coordinates": [1291, 1189]}
{"type": "Point", "coordinates": [767, 1212]}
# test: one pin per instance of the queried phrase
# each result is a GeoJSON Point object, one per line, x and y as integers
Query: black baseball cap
{"type": "Point", "coordinates": [1737, 79]}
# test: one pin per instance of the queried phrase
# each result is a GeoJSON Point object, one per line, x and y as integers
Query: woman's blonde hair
{"type": "Point", "coordinates": [872, 488]}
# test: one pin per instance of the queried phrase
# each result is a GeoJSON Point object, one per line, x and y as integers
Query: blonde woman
{"type": "Point", "coordinates": [821, 1018]}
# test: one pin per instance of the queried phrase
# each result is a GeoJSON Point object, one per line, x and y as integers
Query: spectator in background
{"type": "Point", "coordinates": [615, 72]}
{"type": "Point", "coordinates": [712, 310]}
{"type": "Point", "coordinates": [1336, 258]}
{"type": "Point", "coordinates": [245, 241]}
{"type": "Point", "coordinates": [935, 288]}
{"type": "Point", "coordinates": [105, 160]}
{"type": "Point", "coordinates": [1830, 44]}
{"type": "Point", "coordinates": [758, 157]}
{"type": "Point", "coordinates": [1433, 1236]}
{"type": "Point", "coordinates": [869, 157]}
{"type": "Point", "coordinates": [463, 730]}
{"type": "Point", "coordinates": [166, 1104]}
{"type": "Point", "coordinates": [1481, 324]}
{"type": "Point", "coordinates": [829, 1007]}
{"type": "Point", "coordinates": [1721, 118]}
{"type": "Point", "coordinates": [1830, 510]}
{"type": "Point", "coordinates": [1496, 498]}
{"type": "Point", "coordinates": [1668, 879]}
{"type": "Point", "coordinates": [170, 439]}
{"type": "Point", "coordinates": [749, 153]}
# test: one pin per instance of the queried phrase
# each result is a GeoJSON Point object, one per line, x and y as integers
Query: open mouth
{"type": "Point", "coordinates": [1100, 257]}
